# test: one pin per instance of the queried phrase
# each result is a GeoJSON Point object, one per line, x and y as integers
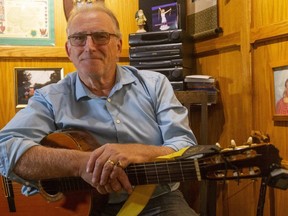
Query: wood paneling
{"type": "Point", "coordinates": [125, 11]}
{"type": "Point", "coordinates": [267, 12]}
{"type": "Point", "coordinates": [255, 32]}
{"type": "Point", "coordinates": [270, 25]}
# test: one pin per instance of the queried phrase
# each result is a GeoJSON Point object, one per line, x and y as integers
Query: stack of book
{"type": "Point", "coordinates": [200, 83]}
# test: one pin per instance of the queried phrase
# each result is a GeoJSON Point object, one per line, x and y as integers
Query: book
{"type": "Point", "coordinates": [199, 79]}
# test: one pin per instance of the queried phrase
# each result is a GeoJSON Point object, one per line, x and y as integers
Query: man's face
{"type": "Point", "coordinates": [93, 59]}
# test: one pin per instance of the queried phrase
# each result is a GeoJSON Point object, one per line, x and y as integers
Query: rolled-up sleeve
{"type": "Point", "coordinates": [172, 118]}
{"type": "Point", "coordinates": [24, 131]}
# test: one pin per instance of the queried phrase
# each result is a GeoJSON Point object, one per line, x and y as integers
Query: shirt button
{"type": "Point", "coordinates": [118, 121]}
{"type": "Point", "coordinates": [109, 100]}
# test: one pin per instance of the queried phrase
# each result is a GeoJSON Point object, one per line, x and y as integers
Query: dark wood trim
{"type": "Point", "coordinates": [269, 32]}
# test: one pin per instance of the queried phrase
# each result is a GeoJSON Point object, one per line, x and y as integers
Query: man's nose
{"type": "Point", "coordinates": [89, 42]}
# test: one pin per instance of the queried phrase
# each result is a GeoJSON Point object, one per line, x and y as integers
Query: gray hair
{"type": "Point", "coordinates": [95, 7]}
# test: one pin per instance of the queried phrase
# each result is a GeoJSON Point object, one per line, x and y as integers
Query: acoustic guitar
{"type": "Point", "coordinates": [73, 196]}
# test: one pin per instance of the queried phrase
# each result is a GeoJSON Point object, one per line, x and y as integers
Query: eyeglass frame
{"type": "Point", "coordinates": [91, 35]}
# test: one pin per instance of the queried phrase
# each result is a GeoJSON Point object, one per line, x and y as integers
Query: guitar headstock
{"type": "Point", "coordinates": [246, 161]}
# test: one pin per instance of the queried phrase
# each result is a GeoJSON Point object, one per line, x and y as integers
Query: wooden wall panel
{"type": "Point", "coordinates": [6, 94]}
{"type": "Point", "coordinates": [234, 97]}
{"type": "Point", "coordinates": [265, 56]}
{"type": "Point", "coordinates": [266, 12]}
{"type": "Point", "coordinates": [255, 35]}
{"type": "Point", "coordinates": [231, 67]}
{"type": "Point", "coordinates": [230, 15]}
{"type": "Point", "coordinates": [125, 11]}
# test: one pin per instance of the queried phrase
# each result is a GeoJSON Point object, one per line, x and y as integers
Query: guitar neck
{"type": "Point", "coordinates": [162, 172]}
{"type": "Point", "coordinates": [231, 164]}
{"type": "Point", "coordinates": [138, 174]}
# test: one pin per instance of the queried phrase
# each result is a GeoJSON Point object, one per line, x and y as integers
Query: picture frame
{"type": "Point", "coordinates": [279, 88]}
{"type": "Point", "coordinates": [165, 17]}
{"type": "Point", "coordinates": [27, 80]}
{"type": "Point", "coordinates": [176, 18]}
{"type": "Point", "coordinates": [27, 23]}
{"type": "Point", "coordinates": [69, 4]}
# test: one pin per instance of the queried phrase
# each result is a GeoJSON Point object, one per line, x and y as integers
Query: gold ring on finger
{"type": "Point", "coordinates": [119, 164]}
{"type": "Point", "coordinates": [110, 162]}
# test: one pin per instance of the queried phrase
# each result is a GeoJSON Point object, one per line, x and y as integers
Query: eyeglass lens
{"type": "Point", "coordinates": [100, 38]}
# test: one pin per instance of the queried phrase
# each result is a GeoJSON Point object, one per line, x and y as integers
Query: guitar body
{"type": "Point", "coordinates": [76, 203]}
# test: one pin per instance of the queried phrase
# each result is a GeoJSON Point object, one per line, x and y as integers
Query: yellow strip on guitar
{"type": "Point", "coordinates": [142, 193]}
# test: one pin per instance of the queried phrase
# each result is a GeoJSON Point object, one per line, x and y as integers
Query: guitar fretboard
{"type": "Point", "coordinates": [161, 172]}
{"type": "Point", "coordinates": [138, 174]}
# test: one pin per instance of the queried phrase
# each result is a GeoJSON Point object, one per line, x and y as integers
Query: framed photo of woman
{"type": "Point", "coordinates": [280, 96]}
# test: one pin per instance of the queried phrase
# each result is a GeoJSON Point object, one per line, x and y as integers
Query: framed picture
{"type": "Point", "coordinates": [68, 5]}
{"type": "Point", "coordinates": [27, 80]}
{"type": "Point", "coordinates": [280, 92]}
{"type": "Point", "coordinates": [27, 22]}
{"type": "Point", "coordinates": [164, 15]}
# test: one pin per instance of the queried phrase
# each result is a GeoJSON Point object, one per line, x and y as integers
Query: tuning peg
{"type": "Point", "coordinates": [218, 157]}
{"type": "Point", "coordinates": [249, 141]}
{"type": "Point", "coordinates": [236, 173]}
{"type": "Point", "coordinates": [233, 144]}
{"type": "Point", "coordinates": [251, 171]}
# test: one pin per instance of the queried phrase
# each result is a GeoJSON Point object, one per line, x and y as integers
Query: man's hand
{"type": "Point", "coordinates": [107, 163]}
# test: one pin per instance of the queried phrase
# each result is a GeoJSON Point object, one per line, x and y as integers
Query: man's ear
{"type": "Point", "coordinates": [119, 46]}
{"type": "Point", "coordinates": [67, 49]}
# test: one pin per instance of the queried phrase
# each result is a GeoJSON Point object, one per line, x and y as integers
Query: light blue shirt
{"type": "Point", "coordinates": [141, 108]}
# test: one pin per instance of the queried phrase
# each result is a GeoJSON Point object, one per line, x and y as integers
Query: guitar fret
{"type": "Point", "coordinates": [180, 164]}
{"type": "Point", "coordinates": [133, 174]}
{"type": "Point", "coordinates": [177, 169]}
{"type": "Point", "coordinates": [147, 180]}
{"type": "Point", "coordinates": [168, 171]}
{"type": "Point", "coordinates": [136, 174]}
{"type": "Point", "coordinates": [157, 175]}
{"type": "Point", "coordinates": [197, 169]}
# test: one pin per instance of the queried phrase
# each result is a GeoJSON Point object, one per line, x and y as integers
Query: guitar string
{"type": "Point", "coordinates": [69, 182]}
{"type": "Point", "coordinates": [6, 187]}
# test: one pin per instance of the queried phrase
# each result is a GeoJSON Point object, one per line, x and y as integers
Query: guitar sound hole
{"type": "Point", "coordinates": [51, 187]}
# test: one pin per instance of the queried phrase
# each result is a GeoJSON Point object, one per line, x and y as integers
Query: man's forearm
{"type": "Point", "coordinates": [41, 162]}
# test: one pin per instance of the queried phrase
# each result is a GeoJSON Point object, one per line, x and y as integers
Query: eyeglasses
{"type": "Point", "coordinates": [99, 38]}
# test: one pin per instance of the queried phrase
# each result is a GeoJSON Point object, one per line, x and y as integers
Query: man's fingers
{"type": "Point", "coordinates": [106, 171]}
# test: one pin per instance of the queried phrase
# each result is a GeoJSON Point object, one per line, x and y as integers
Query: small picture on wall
{"type": "Point", "coordinates": [165, 17]}
{"type": "Point", "coordinates": [27, 80]}
{"type": "Point", "coordinates": [280, 79]}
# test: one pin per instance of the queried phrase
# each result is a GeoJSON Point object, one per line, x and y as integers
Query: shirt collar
{"type": "Point", "coordinates": [124, 76]}
{"type": "Point", "coordinates": [80, 89]}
